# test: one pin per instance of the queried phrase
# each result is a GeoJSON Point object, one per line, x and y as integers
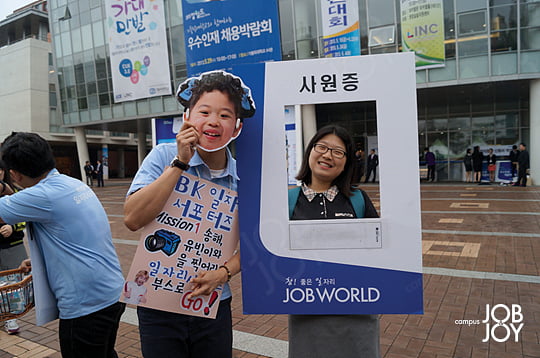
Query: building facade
{"type": "Point", "coordinates": [488, 92]}
{"type": "Point", "coordinates": [29, 98]}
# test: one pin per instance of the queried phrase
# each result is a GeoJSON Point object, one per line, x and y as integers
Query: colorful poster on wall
{"type": "Point", "coordinates": [331, 266]}
{"type": "Point", "coordinates": [422, 31]}
{"type": "Point", "coordinates": [221, 33]}
{"type": "Point", "coordinates": [341, 28]}
{"type": "Point", "coordinates": [196, 231]}
{"type": "Point", "coordinates": [138, 49]}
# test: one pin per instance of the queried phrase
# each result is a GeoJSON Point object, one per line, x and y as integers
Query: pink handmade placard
{"type": "Point", "coordinates": [196, 231]}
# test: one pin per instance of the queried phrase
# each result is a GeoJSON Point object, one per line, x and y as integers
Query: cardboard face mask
{"type": "Point", "coordinates": [187, 88]}
{"type": "Point", "coordinates": [177, 125]}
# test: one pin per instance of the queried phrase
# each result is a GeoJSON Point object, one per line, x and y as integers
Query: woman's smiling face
{"type": "Point", "coordinates": [214, 116]}
{"type": "Point", "coordinates": [325, 167]}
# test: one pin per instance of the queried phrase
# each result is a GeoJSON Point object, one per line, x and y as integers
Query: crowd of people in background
{"type": "Point", "coordinates": [474, 162]}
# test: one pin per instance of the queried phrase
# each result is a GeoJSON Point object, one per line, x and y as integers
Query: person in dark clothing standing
{"type": "Point", "coordinates": [523, 165]}
{"type": "Point", "coordinates": [359, 166]}
{"type": "Point", "coordinates": [89, 171]}
{"type": "Point", "coordinates": [513, 156]}
{"type": "Point", "coordinates": [477, 160]}
{"type": "Point", "coordinates": [429, 157]}
{"type": "Point", "coordinates": [372, 163]}
{"type": "Point", "coordinates": [99, 173]}
{"type": "Point", "coordinates": [492, 164]}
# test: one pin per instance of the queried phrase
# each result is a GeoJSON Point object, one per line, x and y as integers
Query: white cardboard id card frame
{"type": "Point", "coordinates": [324, 270]}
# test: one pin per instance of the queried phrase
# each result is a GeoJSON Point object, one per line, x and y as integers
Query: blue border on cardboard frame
{"type": "Point", "coordinates": [264, 274]}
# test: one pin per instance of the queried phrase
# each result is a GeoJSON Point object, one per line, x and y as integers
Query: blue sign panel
{"type": "Point", "coordinates": [504, 171]}
{"type": "Point", "coordinates": [164, 131]}
{"type": "Point", "coordinates": [220, 33]}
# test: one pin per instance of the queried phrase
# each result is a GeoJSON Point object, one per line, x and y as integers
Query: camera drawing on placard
{"type": "Point", "coordinates": [330, 175]}
{"type": "Point", "coordinates": [163, 240]}
{"type": "Point", "coordinates": [135, 291]}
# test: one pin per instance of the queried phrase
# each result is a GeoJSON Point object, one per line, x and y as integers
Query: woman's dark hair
{"type": "Point", "coordinates": [27, 153]}
{"type": "Point", "coordinates": [344, 180]}
{"type": "Point", "coordinates": [192, 89]}
{"type": "Point", "coordinates": [468, 150]}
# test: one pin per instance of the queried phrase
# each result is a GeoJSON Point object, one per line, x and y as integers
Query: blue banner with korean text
{"type": "Point", "coordinates": [221, 33]}
{"type": "Point", "coordinates": [341, 28]}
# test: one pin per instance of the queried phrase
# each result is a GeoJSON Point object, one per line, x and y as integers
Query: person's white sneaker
{"type": "Point", "coordinates": [11, 326]}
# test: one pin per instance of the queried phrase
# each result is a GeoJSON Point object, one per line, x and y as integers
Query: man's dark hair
{"type": "Point", "coordinates": [344, 180]}
{"type": "Point", "coordinates": [514, 146]}
{"type": "Point", "coordinates": [27, 153]}
{"type": "Point", "coordinates": [523, 144]}
{"type": "Point", "coordinates": [7, 178]}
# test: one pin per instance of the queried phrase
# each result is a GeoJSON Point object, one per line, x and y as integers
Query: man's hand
{"type": "Point", "coordinates": [6, 230]}
{"type": "Point", "coordinates": [186, 140]}
{"type": "Point", "coordinates": [207, 282]}
{"type": "Point", "coordinates": [26, 266]}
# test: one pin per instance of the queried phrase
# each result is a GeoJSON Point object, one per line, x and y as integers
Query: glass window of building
{"type": "Point", "coordinates": [472, 23]}
{"type": "Point", "coordinates": [530, 38]}
{"type": "Point", "coordinates": [503, 20]}
{"type": "Point", "coordinates": [98, 35]}
{"type": "Point", "coordinates": [52, 95]}
{"type": "Point", "coordinates": [470, 5]}
{"type": "Point", "coordinates": [449, 29]}
{"type": "Point", "coordinates": [306, 20]}
{"type": "Point", "coordinates": [501, 2]}
{"type": "Point", "coordinates": [459, 142]}
{"type": "Point", "coordinates": [382, 36]}
{"type": "Point", "coordinates": [472, 30]}
{"type": "Point", "coordinates": [286, 24]}
{"type": "Point", "coordinates": [459, 123]}
{"type": "Point", "coordinates": [381, 12]}
{"type": "Point", "coordinates": [530, 14]}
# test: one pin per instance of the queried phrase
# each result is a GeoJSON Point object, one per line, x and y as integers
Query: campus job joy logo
{"type": "Point", "coordinates": [503, 322]}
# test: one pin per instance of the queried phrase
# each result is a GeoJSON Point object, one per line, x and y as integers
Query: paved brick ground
{"type": "Point", "coordinates": [487, 237]}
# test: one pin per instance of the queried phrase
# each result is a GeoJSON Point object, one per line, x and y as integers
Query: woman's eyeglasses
{"type": "Point", "coordinates": [336, 153]}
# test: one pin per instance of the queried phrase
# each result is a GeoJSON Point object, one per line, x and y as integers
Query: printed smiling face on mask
{"type": "Point", "coordinates": [214, 116]}
{"type": "Point", "coordinates": [215, 102]}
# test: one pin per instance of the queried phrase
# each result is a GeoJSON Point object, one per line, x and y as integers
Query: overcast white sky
{"type": "Point", "coordinates": [7, 6]}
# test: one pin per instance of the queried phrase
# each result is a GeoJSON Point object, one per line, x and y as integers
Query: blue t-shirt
{"type": "Point", "coordinates": [73, 233]}
{"type": "Point", "coordinates": [161, 156]}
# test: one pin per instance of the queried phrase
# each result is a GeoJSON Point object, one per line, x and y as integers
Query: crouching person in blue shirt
{"type": "Point", "coordinates": [72, 232]}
